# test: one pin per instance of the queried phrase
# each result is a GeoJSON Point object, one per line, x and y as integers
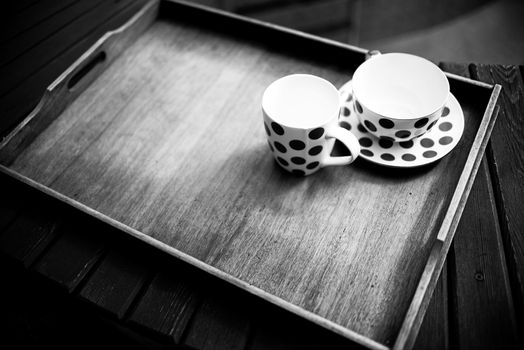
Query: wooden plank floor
{"type": "Point", "coordinates": [153, 300]}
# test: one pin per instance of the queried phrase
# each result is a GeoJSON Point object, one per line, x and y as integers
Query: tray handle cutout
{"type": "Point", "coordinates": [93, 64]}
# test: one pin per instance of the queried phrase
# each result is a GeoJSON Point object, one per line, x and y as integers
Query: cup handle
{"type": "Point", "coordinates": [372, 53]}
{"type": "Point", "coordinates": [349, 140]}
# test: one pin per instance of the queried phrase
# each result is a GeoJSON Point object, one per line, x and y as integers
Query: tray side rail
{"type": "Point", "coordinates": [72, 82]}
{"type": "Point", "coordinates": [417, 308]}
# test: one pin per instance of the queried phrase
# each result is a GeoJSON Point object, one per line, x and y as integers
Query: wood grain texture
{"type": "Point", "coordinates": [30, 232]}
{"type": "Point", "coordinates": [434, 331]}
{"type": "Point", "coordinates": [24, 40]}
{"type": "Point", "coordinates": [482, 305]}
{"type": "Point", "coordinates": [154, 144]}
{"type": "Point", "coordinates": [435, 262]}
{"type": "Point", "coordinates": [74, 79]}
{"type": "Point", "coordinates": [69, 259]}
{"type": "Point", "coordinates": [24, 95]}
{"type": "Point", "coordinates": [507, 166]}
{"type": "Point", "coordinates": [221, 321]}
{"type": "Point", "coordinates": [19, 21]}
{"type": "Point", "coordinates": [118, 280]}
{"type": "Point", "coordinates": [46, 49]}
{"type": "Point", "coordinates": [168, 304]}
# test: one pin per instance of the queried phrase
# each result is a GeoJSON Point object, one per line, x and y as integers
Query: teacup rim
{"type": "Point", "coordinates": [426, 115]}
{"type": "Point", "coordinates": [336, 111]}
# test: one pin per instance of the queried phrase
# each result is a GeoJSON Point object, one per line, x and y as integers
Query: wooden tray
{"type": "Point", "coordinates": [166, 142]}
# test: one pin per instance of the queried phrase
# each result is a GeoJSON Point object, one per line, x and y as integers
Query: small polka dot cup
{"type": "Point", "coordinates": [300, 114]}
{"type": "Point", "coordinates": [399, 96]}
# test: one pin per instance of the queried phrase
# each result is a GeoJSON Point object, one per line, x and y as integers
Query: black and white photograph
{"type": "Point", "coordinates": [262, 174]}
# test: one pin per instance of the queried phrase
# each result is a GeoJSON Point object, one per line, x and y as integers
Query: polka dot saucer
{"type": "Point", "coordinates": [438, 141]}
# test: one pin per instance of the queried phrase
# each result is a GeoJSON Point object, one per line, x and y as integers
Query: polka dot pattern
{"type": "Point", "coordinates": [345, 125]}
{"type": "Point", "coordinates": [446, 126]}
{"type": "Point", "coordinates": [386, 123]}
{"type": "Point", "coordinates": [316, 134]}
{"type": "Point", "coordinates": [315, 150]}
{"type": "Point", "coordinates": [358, 107]}
{"type": "Point", "coordinates": [385, 143]}
{"type": "Point", "coordinates": [280, 147]}
{"type": "Point", "coordinates": [295, 151]}
{"type": "Point", "coordinates": [433, 144]}
{"type": "Point", "coordinates": [346, 112]}
{"type": "Point", "coordinates": [366, 153]}
{"type": "Point", "coordinates": [279, 130]}
{"type": "Point", "coordinates": [370, 125]}
{"type": "Point", "coordinates": [421, 122]}
{"type": "Point", "coordinates": [282, 161]}
{"type": "Point", "coordinates": [429, 154]}
{"type": "Point", "coordinates": [387, 156]}
{"type": "Point", "coordinates": [298, 160]}
{"type": "Point", "coordinates": [446, 140]}
{"type": "Point", "coordinates": [361, 128]}
{"type": "Point", "coordinates": [365, 142]}
{"type": "Point", "coordinates": [408, 157]}
{"type": "Point", "coordinates": [427, 143]}
{"type": "Point", "coordinates": [406, 144]}
{"type": "Point", "coordinates": [432, 125]}
{"type": "Point", "coordinates": [297, 145]}
{"type": "Point", "coordinates": [313, 165]}
{"type": "Point", "coordinates": [403, 134]}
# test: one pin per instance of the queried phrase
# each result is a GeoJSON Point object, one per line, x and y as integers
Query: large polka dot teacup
{"type": "Point", "coordinates": [301, 121]}
{"type": "Point", "coordinates": [399, 96]}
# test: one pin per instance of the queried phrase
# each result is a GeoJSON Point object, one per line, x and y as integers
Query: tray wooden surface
{"type": "Point", "coordinates": [166, 142]}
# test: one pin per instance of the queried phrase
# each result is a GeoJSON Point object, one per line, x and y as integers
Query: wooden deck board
{"type": "Point", "coordinates": [117, 282]}
{"type": "Point", "coordinates": [73, 255]}
{"type": "Point", "coordinates": [506, 156]}
{"type": "Point", "coordinates": [168, 304]}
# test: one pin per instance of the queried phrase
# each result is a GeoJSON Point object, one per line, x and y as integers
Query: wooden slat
{"type": "Point", "coordinates": [221, 322]}
{"type": "Point", "coordinates": [72, 256]}
{"type": "Point", "coordinates": [31, 90]}
{"type": "Point", "coordinates": [434, 332]}
{"type": "Point", "coordinates": [14, 74]}
{"type": "Point", "coordinates": [10, 8]}
{"type": "Point", "coordinates": [35, 314]}
{"type": "Point", "coordinates": [118, 280]}
{"type": "Point", "coordinates": [483, 306]}
{"type": "Point", "coordinates": [12, 199]}
{"type": "Point", "coordinates": [35, 226]}
{"type": "Point", "coordinates": [32, 37]}
{"type": "Point", "coordinates": [506, 155]}
{"type": "Point", "coordinates": [32, 17]}
{"type": "Point", "coordinates": [169, 303]}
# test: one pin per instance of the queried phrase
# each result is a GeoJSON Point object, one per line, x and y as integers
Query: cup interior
{"type": "Point", "coordinates": [400, 86]}
{"type": "Point", "coordinates": [301, 101]}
